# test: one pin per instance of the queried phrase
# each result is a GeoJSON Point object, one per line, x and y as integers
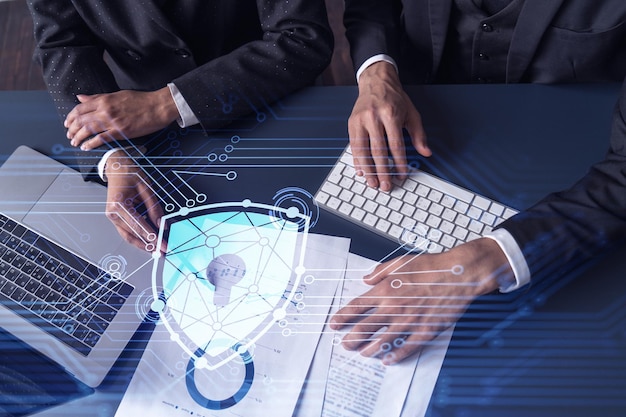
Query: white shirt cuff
{"type": "Point", "coordinates": [373, 60]}
{"type": "Point", "coordinates": [103, 161]}
{"type": "Point", "coordinates": [515, 257]}
{"type": "Point", "coordinates": [186, 116]}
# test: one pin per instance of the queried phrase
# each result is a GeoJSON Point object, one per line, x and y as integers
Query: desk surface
{"type": "Point", "coordinates": [558, 348]}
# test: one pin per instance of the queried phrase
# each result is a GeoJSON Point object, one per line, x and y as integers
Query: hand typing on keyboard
{"type": "Point", "coordinates": [416, 296]}
{"type": "Point", "coordinates": [423, 211]}
{"type": "Point", "coordinates": [375, 126]}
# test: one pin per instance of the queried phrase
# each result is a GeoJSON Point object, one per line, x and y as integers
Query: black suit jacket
{"type": "Point", "coordinates": [254, 51]}
{"type": "Point", "coordinates": [554, 41]}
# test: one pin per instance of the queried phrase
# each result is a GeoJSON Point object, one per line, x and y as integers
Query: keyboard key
{"type": "Point", "coordinates": [331, 189]}
{"type": "Point", "coordinates": [345, 208]}
{"type": "Point", "coordinates": [358, 214]}
{"type": "Point", "coordinates": [496, 209]}
{"type": "Point", "coordinates": [395, 217]}
{"type": "Point", "coordinates": [481, 202]}
{"type": "Point", "coordinates": [321, 197]}
{"type": "Point", "coordinates": [370, 219]}
{"type": "Point", "coordinates": [474, 213]}
{"type": "Point", "coordinates": [370, 206]}
{"type": "Point", "coordinates": [508, 213]}
{"type": "Point", "coordinates": [383, 225]}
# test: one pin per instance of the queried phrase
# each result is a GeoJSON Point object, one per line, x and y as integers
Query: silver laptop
{"type": "Point", "coordinates": [69, 284]}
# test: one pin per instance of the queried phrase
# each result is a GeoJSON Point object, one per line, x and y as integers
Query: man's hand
{"type": "Point", "coordinates": [129, 188]}
{"type": "Point", "coordinates": [380, 112]}
{"type": "Point", "coordinates": [415, 297]}
{"type": "Point", "coordinates": [125, 114]}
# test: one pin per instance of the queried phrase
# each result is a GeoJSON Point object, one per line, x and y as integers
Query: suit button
{"type": "Point", "coordinates": [134, 55]}
{"type": "Point", "coordinates": [182, 53]}
{"type": "Point", "coordinates": [483, 57]}
{"type": "Point", "coordinates": [486, 27]}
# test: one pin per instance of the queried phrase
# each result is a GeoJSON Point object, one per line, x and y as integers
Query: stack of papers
{"type": "Point", "coordinates": [297, 368]}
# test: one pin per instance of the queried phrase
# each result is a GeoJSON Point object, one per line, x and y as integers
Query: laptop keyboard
{"type": "Point", "coordinates": [56, 290]}
{"type": "Point", "coordinates": [423, 212]}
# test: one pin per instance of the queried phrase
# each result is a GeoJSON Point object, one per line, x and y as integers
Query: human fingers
{"type": "Point", "coordinates": [360, 146]}
{"type": "Point", "coordinates": [101, 138]}
{"type": "Point", "coordinates": [352, 312]}
{"type": "Point", "coordinates": [382, 165]}
{"type": "Point", "coordinates": [384, 270]}
{"type": "Point", "coordinates": [133, 227]}
{"type": "Point", "coordinates": [154, 210]}
{"type": "Point", "coordinates": [416, 131]}
{"type": "Point", "coordinates": [395, 141]}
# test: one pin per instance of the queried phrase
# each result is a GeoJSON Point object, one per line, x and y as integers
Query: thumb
{"type": "Point", "coordinates": [84, 97]}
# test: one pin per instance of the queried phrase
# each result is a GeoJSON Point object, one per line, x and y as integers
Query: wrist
{"type": "Point", "coordinates": [485, 260]}
{"type": "Point", "coordinates": [165, 105]}
{"type": "Point", "coordinates": [379, 72]}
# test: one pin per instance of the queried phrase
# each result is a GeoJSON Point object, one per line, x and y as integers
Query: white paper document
{"type": "Point", "coordinates": [356, 386]}
{"type": "Point", "coordinates": [267, 378]}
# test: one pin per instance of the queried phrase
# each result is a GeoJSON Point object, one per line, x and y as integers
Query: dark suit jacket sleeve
{"type": "Point", "coordinates": [296, 46]}
{"type": "Point", "coordinates": [72, 62]}
{"type": "Point", "coordinates": [372, 28]}
{"type": "Point", "coordinates": [570, 227]}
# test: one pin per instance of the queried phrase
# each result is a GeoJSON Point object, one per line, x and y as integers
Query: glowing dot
{"type": "Point", "coordinates": [191, 277]}
{"type": "Point", "coordinates": [201, 198]}
{"type": "Point", "coordinates": [156, 255]}
{"type": "Point", "coordinates": [175, 337]}
{"type": "Point", "coordinates": [217, 326]}
{"type": "Point", "coordinates": [336, 341]}
{"type": "Point", "coordinates": [286, 332]}
{"type": "Point", "coordinates": [457, 269]}
{"type": "Point", "coordinates": [292, 212]}
{"type": "Point", "coordinates": [150, 247]}
{"type": "Point", "coordinates": [231, 175]}
{"type": "Point", "coordinates": [169, 207]}
{"type": "Point", "coordinates": [253, 288]}
{"type": "Point", "coordinates": [279, 314]}
{"type": "Point", "coordinates": [184, 211]}
{"type": "Point", "coordinates": [213, 241]}
{"type": "Point", "coordinates": [151, 236]}
{"type": "Point", "coordinates": [157, 306]}
{"type": "Point", "coordinates": [264, 241]}
{"type": "Point", "coordinates": [200, 363]}
{"type": "Point", "coordinates": [300, 269]}
{"type": "Point", "coordinates": [396, 283]}
{"type": "Point", "coordinates": [398, 342]}
{"type": "Point", "coordinates": [246, 203]}
{"type": "Point", "coordinates": [190, 202]}
{"type": "Point", "coordinates": [385, 347]}
{"type": "Point", "coordinates": [309, 279]}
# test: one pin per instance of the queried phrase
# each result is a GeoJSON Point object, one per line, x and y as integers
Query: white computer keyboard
{"type": "Point", "coordinates": [424, 212]}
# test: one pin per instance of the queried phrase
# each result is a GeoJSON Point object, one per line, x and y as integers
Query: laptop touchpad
{"type": "Point", "coordinates": [71, 213]}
